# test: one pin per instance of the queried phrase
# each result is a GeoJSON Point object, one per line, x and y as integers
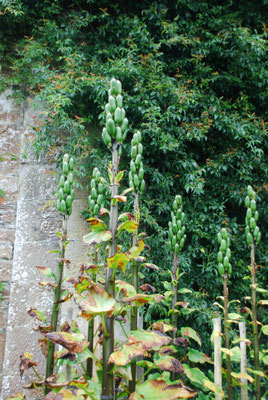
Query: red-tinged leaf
{"type": "Point", "coordinates": [126, 216]}
{"type": "Point", "coordinates": [129, 226]}
{"type": "Point", "coordinates": [84, 282]}
{"type": "Point", "coordinates": [167, 350]}
{"type": "Point", "coordinates": [65, 327]}
{"type": "Point", "coordinates": [34, 384]}
{"type": "Point", "coordinates": [146, 287]}
{"type": "Point", "coordinates": [44, 329]}
{"type": "Point", "coordinates": [97, 237]}
{"type": "Point", "coordinates": [181, 341]}
{"type": "Point", "coordinates": [73, 342]}
{"type": "Point", "coordinates": [135, 251]}
{"type": "Point", "coordinates": [65, 394]}
{"type": "Point", "coordinates": [66, 298]}
{"type": "Point", "coordinates": [97, 224]}
{"type": "Point", "coordinates": [18, 396]}
{"type": "Point", "coordinates": [189, 332]}
{"type": "Point", "coordinates": [141, 299]}
{"type": "Point", "coordinates": [263, 302]}
{"type": "Point", "coordinates": [65, 355]}
{"type": "Point", "coordinates": [127, 289]}
{"type": "Point", "coordinates": [119, 260]}
{"type": "Point", "coordinates": [126, 191]}
{"type": "Point", "coordinates": [49, 284]}
{"type": "Point", "coordinates": [26, 362]}
{"type": "Point", "coordinates": [183, 304]}
{"type": "Point", "coordinates": [47, 272]}
{"type": "Point", "coordinates": [119, 198]}
{"type": "Point", "coordinates": [162, 326]}
{"type": "Point", "coordinates": [168, 363]}
{"type": "Point", "coordinates": [128, 351]}
{"type": "Point", "coordinates": [150, 339]}
{"type": "Point", "coordinates": [33, 312]}
{"type": "Point", "coordinates": [104, 211]}
{"type": "Point", "coordinates": [161, 390]}
{"type": "Point", "coordinates": [151, 266]}
{"type": "Point", "coordinates": [97, 302]}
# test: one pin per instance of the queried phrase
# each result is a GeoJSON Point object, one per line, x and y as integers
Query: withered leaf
{"type": "Point", "coordinates": [168, 363]}
{"type": "Point", "coordinates": [71, 341]}
{"type": "Point", "coordinates": [65, 327]}
{"type": "Point", "coordinates": [162, 326]}
{"type": "Point", "coordinates": [146, 287]}
{"type": "Point", "coordinates": [43, 343]}
{"type": "Point", "coordinates": [26, 362]}
{"type": "Point", "coordinates": [181, 341]}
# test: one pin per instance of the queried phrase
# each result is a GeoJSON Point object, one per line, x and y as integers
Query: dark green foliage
{"type": "Point", "coordinates": [194, 79]}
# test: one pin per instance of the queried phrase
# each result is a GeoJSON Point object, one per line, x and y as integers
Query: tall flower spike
{"type": "Point", "coordinates": [65, 190]}
{"type": "Point", "coordinates": [176, 233]}
{"type": "Point", "coordinates": [116, 122]}
{"type": "Point", "coordinates": [224, 253]}
{"type": "Point", "coordinates": [252, 230]}
{"type": "Point", "coordinates": [96, 197]}
{"type": "Point", "coordinates": [136, 172]}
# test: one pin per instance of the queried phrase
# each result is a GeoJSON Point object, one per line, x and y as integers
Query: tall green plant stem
{"type": "Point", "coordinates": [174, 319]}
{"type": "Point", "coordinates": [108, 340]}
{"type": "Point", "coordinates": [227, 340]}
{"type": "Point", "coordinates": [90, 333]}
{"type": "Point", "coordinates": [134, 310]}
{"type": "Point", "coordinates": [255, 323]}
{"type": "Point", "coordinates": [57, 293]}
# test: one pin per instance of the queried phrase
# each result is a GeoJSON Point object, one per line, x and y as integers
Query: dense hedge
{"type": "Point", "coordinates": [194, 75]}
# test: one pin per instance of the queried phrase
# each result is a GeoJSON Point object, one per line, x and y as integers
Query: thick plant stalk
{"type": "Point", "coordinates": [175, 291]}
{"type": "Point", "coordinates": [227, 340]}
{"type": "Point", "coordinates": [255, 323]}
{"type": "Point", "coordinates": [217, 355]}
{"type": "Point", "coordinates": [57, 293]}
{"type": "Point", "coordinates": [134, 310]}
{"type": "Point", "coordinates": [90, 333]}
{"type": "Point", "coordinates": [108, 340]}
{"type": "Point", "coordinates": [243, 363]}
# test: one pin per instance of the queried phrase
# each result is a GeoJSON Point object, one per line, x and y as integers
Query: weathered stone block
{"type": "Point", "coordinates": [6, 251]}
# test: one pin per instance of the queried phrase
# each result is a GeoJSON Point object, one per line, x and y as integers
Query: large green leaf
{"type": "Point", "coordinates": [196, 356]}
{"type": "Point", "coordinates": [189, 332]}
{"type": "Point", "coordinates": [129, 226]}
{"type": "Point", "coordinates": [97, 237]}
{"type": "Point", "coordinates": [197, 376]}
{"type": "Point", "coordinates": [119, 260]}
{"type": "Point", "coordinates": [97, 302]}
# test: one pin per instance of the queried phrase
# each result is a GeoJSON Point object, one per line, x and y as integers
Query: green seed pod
{"type": "Point", "coordinates": [223, 245]}
{"type": "Point", "coordinates": [228, 253]}
{"type": "Point", "coordinates": [110, 126]}
{"type": "Point", "coordinates": [66, 158]}
{"type": "Point", "coordinates": [219, 237]}
{"type": "Point", "coordinates": [112, 104]}
{"type": "Point", "coordinates": [179, 199]}
{"type": "Point", "coordinates": [225, 262]}
{"type": "Point", "coordinates": [179, 235]}
{"type": "Point", "coordinates": [95, 172]}
{"type": "Point", "coordinates": [131, 184]}
{"type": "Point", "coordinates": [220, 257]}
{"type": "Point", "coordinates": [106, 137]}
{"type": "Point", "coordinates": [179, 213]}
{"type": "Point", "coordinates": [65, 168]}
{"type": "Point", "coordinates": [141, 174]}
{"type": "Point", "coordinates": [249, 214]}
{"type": "Point", "coordinates": [183, 230]}
{"type": "Point", "coordinates": [140, 148]}
{"type": "Point", "coordinates": [109, 116]}
{"type": "Point", "coordinates": [135, 139]}
{"type": "Point", "coordinates": [100, 188]}
{"type": "Point", "coordinates": [174, 228]}
{"type": "Point", "coordinates": [93, 183]}
{"type": "Point", "coordinates": [100, 199]}
{"type": "Point", "coordinates": [247, 201]}
{"type": "Point", "coordinates": [133, 152]}
{"type": "Point", "coordinates": [253, 205]}
{"type": "Point", "coordinates": [119, 136]}
{"type": "Point", "coordinates": [229, 269]}
{"type": "Point", "coordinates": [136, 181]}
{"type": "Point", "coordinates": [182, 241]}
{"type": "Point", "coordinates": [247, 230]}
{"type": "Point", "coordinates": [69, 211]}
{"type": "Point", "coordinates": [96, 209]}
{"type": "Point", "coordinates": [63, 206]}
{"type": "Point", "coordinates": [173, 241]}
{"type": "Point", "coordinates": [114, 87]}
{"type": "Point", "coordinates": [258, 237]}
{"type": "Point", "coordinates": [62, 180]}
{"type": "Point", "coordinates": [169, 246]}
{"type": "Point", "coordinates": [118, 115]}
{"type": "Point", "coordinates": [170, 233]}
{"type": "Point", "coordinates": [176, 249]}
{"type": "Point", "coordinates": [139, 136]}
{"type": "Point", "coordinates": [256, 216]}
{"type": "Point", "coordinates": [68, 201]}
{"type": "Point", "coordinates": [124, 125]}
{"type": "Point", "coordinates": [67, 187]}
{"type": "Point", "coordinates": [91, 204]}
{"type": "Point", "coordinates": [94, 194]}
{"type": "Point", "coordinates": [119, 101]}
{"type": "Point", "coordinates": [107, 107]}
{"type": "Point", "coordinates": [221, 269]}
{"type": "Point", "coordinates": [250, 191]}
{"type": "Point", "coordinates": [119, 86]}
{"type": "Point", "coordinates": [182, 216]}
{"type": "Point", "coordinates": [173, 219]}
{"type": "Point", "coordinates": [72, 194]}
{"type": "Point", "coordinates": [252, 224]}
{"type": "Point", "coordinates": [130, 176]}
{"type": "Point", "coordinates": [138, 161]}
{"type": "Point", "coordinates": [132, 167]}
{"type": "Point", "coordinates": [142, 186]}
{"type": "Point", "coordinates": [249, 239]}
{"type": "Point", "coordinates": [58, 205]}
{"type": "Point", "coordinates": [228, 242]}
{"type": "Point", "coordinates": [175, 205]}
{"type": "Point", "coordinates": [256, 232]}
{"type": "Point", "coordinates": [61, 194]}
{"type": "Point", "coordinates": [224, 233]}
{"type": "Point", "coordinates": [70, 178]}
{"type": "Point", "coordinates": [179, 225]}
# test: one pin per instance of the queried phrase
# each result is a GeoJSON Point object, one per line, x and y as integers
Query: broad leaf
{"type": "Point", "coordinates": [263, 302]}
{"type": "Point", "coordinates": [97, 302]}
{"type": "Point", "coordinates": [189, 332]}
{"type": "Point", "coordinates": [119, 260]}
{"type": "Point", "coordinates": [141, 299]}
{"type": "Point", "coordinates": [127, 289]}
{"type": "Point", "coordinates": [161, 390]}
{"type": "Point", "coordinates": [234, 316]}
{"type": "Point", "coordinates": [197, 376]}
{"type": "Point", "coordinates": [18, 396]}
{"type": "Point", "coordinates": [129, 226]}
{"type": "Point", "coordinates": [97, 224]}
{"type": "Point", "coordinates": [197, 356]}
{"type": "Point", "coordinates": [97, 237]}
{"type": "Point", "coordinates": [264, 329]}
{"type": "Point", "coordinates": [26, 362]}
{"type": "Point", "coordinates": [162, 326]}
{"type": "Point", "coordinates": [150, 339]}
{"type": "Point", "coordinates": [151, 266]}
{"type": "Point", "coordinates": [127, 352]}
{"type": "Point", "coordinates": [74, 342]}
{"type": "Point", "coordinates": [40, 315]}
{"type": "Point", "coordinates": [47, 272]}
{"type": "Point", "coordinates": [135, 251]}
{"type": "Point", "coordinates": [241, 375]}
{"type": "Point", "coordinates": [168, 363]}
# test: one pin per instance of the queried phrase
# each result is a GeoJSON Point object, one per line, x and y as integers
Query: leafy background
{"type": "Point", "coordinates": [194, 76]}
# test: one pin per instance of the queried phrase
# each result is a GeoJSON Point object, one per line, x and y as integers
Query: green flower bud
{"type": "Point", "coordinates": [224, 233]}
{"type": "Point", "coordinates": [247, 201]}
{"type": "Point", "coordinates": [112, 104]}
{"type": "Point", "coordinates": [253, 205]}
{"type": "Point", "coordinates": [250, 191]}
{"type": "Point", "coordinates": [220, 257]}
{"type": "Point", "coordinates": [221, 269]}
{"type": "Point", "coordinates": [249, 239]}
{"type": "Point", "coordinates": [65, 168]}
{"type": "Point", "coordinates": [62, 180]}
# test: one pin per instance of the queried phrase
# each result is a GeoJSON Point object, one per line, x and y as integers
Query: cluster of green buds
{"type": "Point", "coordinates": [136, 172]}
{"type": "Point", "coordinates": [96, 197]}
{"type": "Point", "coordinates": [224, 253]}
{"type": "Point", "coordinates": [176, 233]}
{"type": "Point", "coordinates": [65, 190]}
{"type": "Point", "coordinates": [252, 229]}
{"type": "Point", "coordinates": [116, 121]}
